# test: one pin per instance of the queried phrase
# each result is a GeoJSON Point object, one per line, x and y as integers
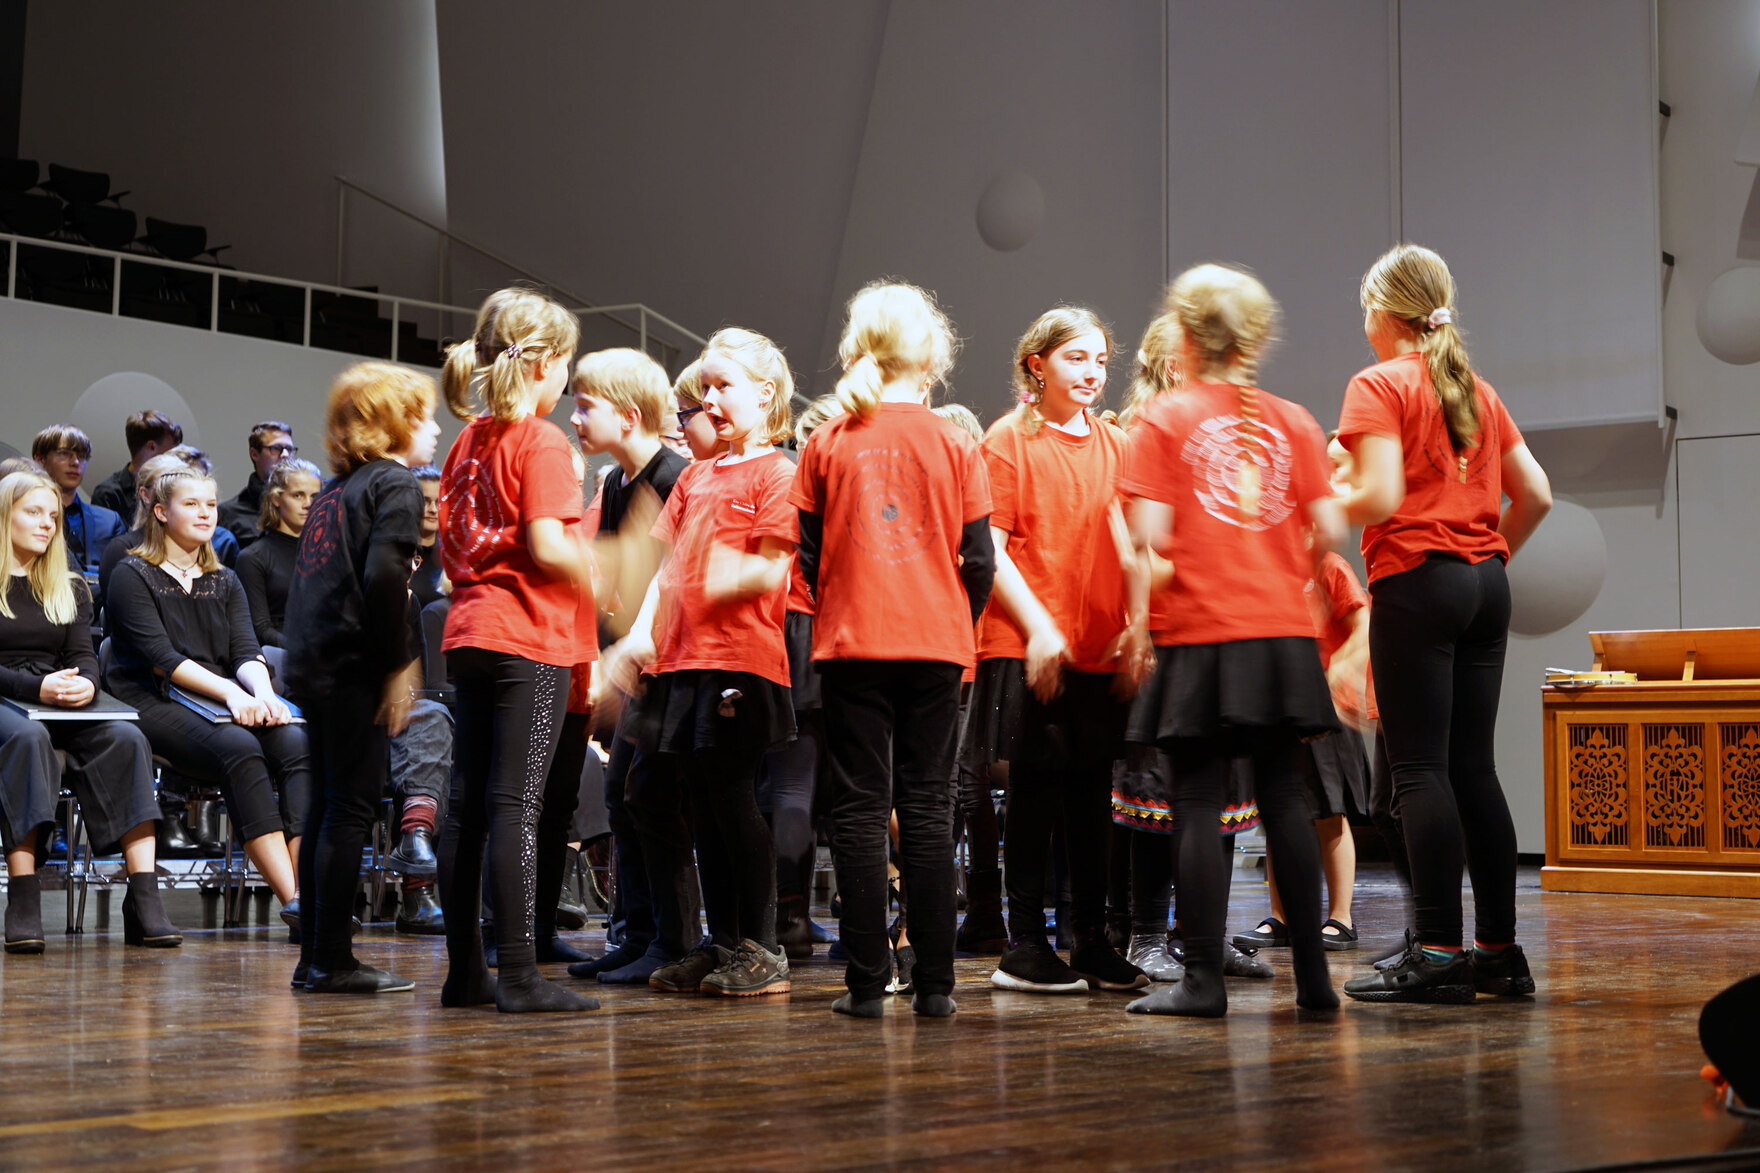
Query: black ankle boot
{"type": "Point", "coordinates": [793, 932]}
{"type": "Point", "coordinates": [174, 837]}
{"type": "Point", "coordinates": [206, 829]}
{"type": "Point", "coordinates": [24, 915]}
{"type": "Point", "coordinates": [983, 930]}
{"type": "Point", "coordinates": [143, 915]}
{"type": "Point", "coordinates": [1200, 993]}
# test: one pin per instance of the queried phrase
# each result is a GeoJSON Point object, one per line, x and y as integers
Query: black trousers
{"type": "Point", "coordinates": [1381, 811]}
{"type": "Point", "coordinates": [562, 795]}
{"type": "Point", "coordinates": [891, 728]}
{"type": "Point", "coordinates": [788, 786]}
{"type": "Point", "coordinates": [510, 712]}
{"type": "Point", "coordinates": [351, 761]}
{"type": "Point", "coordinates": [1061, 776]}
{"type": "Point", "coordinates": [633, 910]}
{"type": "Point", "coordinates": [109, 767]}
{"type": "Point", "coordinates": [264, 773]}
{"type": "Point", "coordinates": [722, 784]}
{"type": "Point", "coordinates": [1437, 635]}
{"type": "Point", "coordinates": [666, 821]}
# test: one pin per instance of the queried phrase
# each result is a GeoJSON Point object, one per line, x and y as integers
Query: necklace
{"type": "Point", "coordinates": [183, 572]}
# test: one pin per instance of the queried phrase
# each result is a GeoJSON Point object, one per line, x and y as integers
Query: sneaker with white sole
{"type": "Point", "coordinates": [750, 970]}
{"type": "Point", "coordinates": [1032, 968]}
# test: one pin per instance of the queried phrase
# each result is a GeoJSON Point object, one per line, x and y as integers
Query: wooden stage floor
{"type": "Point", "coordinates": [202, 1058]}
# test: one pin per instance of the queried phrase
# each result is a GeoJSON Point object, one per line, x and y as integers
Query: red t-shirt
{"type": "Point", "coordinates": [895, 491]}
{"type": "Point", "coordinates": [1052, 493]}
{"type": "Point", "coordinates": [736, 505]}
{"type": "Point", "coordinates": [1334, 595]}
{"type": "Point", "coordinates": [1450, 507]}
{"type": "Point", "coordinates": [800, 599]}
{"type": "Point", "coordinates": [499, 477]}
{"type": "Point", "coordinates": [1238, 565]}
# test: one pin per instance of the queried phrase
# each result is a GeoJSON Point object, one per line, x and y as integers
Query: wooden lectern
{"type": "Point", "coordinates": [1654, 786]}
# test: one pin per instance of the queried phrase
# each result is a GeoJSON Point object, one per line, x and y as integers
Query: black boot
{"type": "Point", "coordinates": [206, 830]}
{"type": "Point", "coordinates": [1200, 993]}
{"type": "Point", "coordinates": [24, 915]}
{"type": "Point", "coordinates": [983, 931]}
{"type": "Point", "coordinates": [420, 911]}
{"type": "Point", "coordinates": [793, 932]}
{"type": "Point", "coordinates": [571, 914]}
{"type": "Point", "coordinates": [414, 854]}
{"type": "Point", "coordinates": [143, 915]}
{"type": "Point", "coordinates": [174, 837]}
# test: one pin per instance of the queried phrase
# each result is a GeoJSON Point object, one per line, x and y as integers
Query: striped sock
{"type": "Point", "coordinates": [1440, 954]}
{"type": "Point", "coordinates": [1484, 950]}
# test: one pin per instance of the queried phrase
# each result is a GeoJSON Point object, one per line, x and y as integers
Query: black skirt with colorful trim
{"type": "Point", "coordinates": [1143, 792]}
{"type": "Point", "coordinates": [1200, 690]}
{"type": "Point", "coordinates": [680, 712]}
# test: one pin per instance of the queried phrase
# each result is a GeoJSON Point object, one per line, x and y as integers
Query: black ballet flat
{"type": "Point", "coordinates": [1345, 936]}
{"type": "Point", "coordinates": [1271, 934]}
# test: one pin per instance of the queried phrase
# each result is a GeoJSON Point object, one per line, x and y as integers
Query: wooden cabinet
{"type": "Point", "coordinates": [1654, 786]}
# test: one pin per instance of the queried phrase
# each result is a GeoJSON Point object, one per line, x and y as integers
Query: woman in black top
{"type": "Point", "coordinates": [177, 617]}
{"type": "Point", "coordinates": [46, 659]}
{"type": "Point", "coordinates": [350, 660]}
{"type": "Point", "coordinates": [424, 584]}
{"type": "Point", "coordinates": [266, 566]}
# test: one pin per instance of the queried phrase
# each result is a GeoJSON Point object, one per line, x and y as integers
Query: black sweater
{"type": "Point", "coordinates": [31, 647]}
{"type": "Point", "coordinates": [266, 570]}
{"type": "Point", "coordinates": [155, 625]}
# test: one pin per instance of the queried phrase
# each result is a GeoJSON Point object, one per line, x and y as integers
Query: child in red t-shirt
{"type": "Point", "coordinates": [895, 542]}
{"type": "Point", "coordinates": [1231, 482]}
{"type": "Point", "coordinates": [1435, 455]}
{"type": "Point", "coordinates": [1049, 697]}
{"type": "Point", "coordinates": [508, 495]}
{"type": "Point", "coordinates": [710, 639]}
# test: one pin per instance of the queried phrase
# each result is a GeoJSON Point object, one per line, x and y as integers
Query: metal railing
{"type": "Point", "coordinates": [221, 280]}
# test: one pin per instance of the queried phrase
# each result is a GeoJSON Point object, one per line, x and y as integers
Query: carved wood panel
{"type": "Point", "coordinates": [1741, 786]}
{"type": "Point", "coordinates": [1674, 785]}
{"type": "Point", "coordinates": [1599, 797]}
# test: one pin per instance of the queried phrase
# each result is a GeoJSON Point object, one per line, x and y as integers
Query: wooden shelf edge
{"type": "Point", "coordinates": [1730, 883]}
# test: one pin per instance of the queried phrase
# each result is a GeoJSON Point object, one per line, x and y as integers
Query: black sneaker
{"type": "Point", "coordinates": [1392, 957]}
{"type": "Point", "coordinates": [1032, 968]}
{"type": "Point", "coordinates": [1418, 979]}
{"type": "Point", "coordinates": [1103, 969]}
{"type": "Point", "coordinates": [751, 969]}
{"type": "Point", "coordinates": [1504, 973]}
{"type": "Point", "coordinates": [685, 976]}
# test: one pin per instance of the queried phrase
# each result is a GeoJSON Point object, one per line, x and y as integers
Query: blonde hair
{"type": "Point", "coordinates": [1227, 318]}
{"type": "Point", "coordinates": [51, 581]}
{"type": "Point", "coordinates": [961, 417]}
{"type": "Point", "coordinates": [1158, 350]}
{"type": "Point", "coordinates": [154, 535]}
{"type": "Point", "coordinates": [689, 384]}
{"type": "Point", "coordinates": [762, 361]}
{"type": "Point", "coordinates": [1052, 329]}
{"type": "Point", "coordinates": [148, 474]}
{"type": "Point", "coordinates": [515, 329]}
{"type": "Point", "coordinates": [269, 516]}
{"type": "Point", "coordinates": [628, 380]}
{"type": "Point", "coordinates": [893, 329]}
{"type": "Point", "coordinates": [817, 413]}
{"type": "Point", "coordinates": [375, 410]}
{"type": "Point", "coordinates": [1411, 283]}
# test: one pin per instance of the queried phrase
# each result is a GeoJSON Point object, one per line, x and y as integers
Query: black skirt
{"type": "Point", "coordinates": [1340, 778]}
{"type": "Point", "coordinates": [1200, 690]}
{"type": "Point", "coordinates": [679, 712]}
{"type": "Point", "coordinates": [1143, 793]}
{"type": "Point", "coordinates": [1004, 721]}
{"type": "Point", "coordinates": [803, 676]}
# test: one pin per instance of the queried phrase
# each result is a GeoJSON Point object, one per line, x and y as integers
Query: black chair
{"type": "Point", "coordinates": [180, 242]}
{"type": "Point", "coordinates": [29, 214]}
{"type": "Point", "coordinates": [18, 175]}
{"type": "Point", "coordinates": [101, 226]}
{"type": "Point", "coordinates": [436, 682]}
{"type": "Point", "coordinates": [81, 187]}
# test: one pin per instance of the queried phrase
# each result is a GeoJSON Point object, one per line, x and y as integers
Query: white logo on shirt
{"type": "Point", "coordinates": [1214, 450]}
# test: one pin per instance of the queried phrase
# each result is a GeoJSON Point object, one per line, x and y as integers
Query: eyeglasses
{"type": "Point", "coordinates": [686, 414]}
{"type": "Point", "coordinates": [281, 450]}
{"type": "Point", "coordinates": [73, 452]}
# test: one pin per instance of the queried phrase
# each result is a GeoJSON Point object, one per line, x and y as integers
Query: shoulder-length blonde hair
{"type": "Point", "coordinates": [154, 538]}
{"type": "Point", "coordinates": [1158, 371]}
{"type": "Point", "coordinates": [375, 410]}
{"type": "Point", "coordinates": [516, 329]}
{"type": "Point", "coordinates": [892, 329]}
{"type": "Point", "coordinates": [269, 516]}
{"type": "Point", "coordinates": [51, 581]}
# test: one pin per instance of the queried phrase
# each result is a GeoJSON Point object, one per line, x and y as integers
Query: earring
{"type": "Point", "coordinates": [1039, 381]}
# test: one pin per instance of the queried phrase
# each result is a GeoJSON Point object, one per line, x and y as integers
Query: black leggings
{"type": "Point", "coordinates": [510, 710]}
{"type": "Point", "coordinates": [721, 783]}
{"type": "Point", "coordinates": [1201, 780]}
{"type": "Point", "coordinates": [351, 758]}
{"type": "Point", "coordinates": [1381, 811]}
{"type": "Point", "coordinates": [562, 794]}
{"type": "Point", "coordinates": [1061, 776]}
{"type": "Point", "coordinates": [1437, 635]}
{"type": "Point", "coordinates": [787, 788]}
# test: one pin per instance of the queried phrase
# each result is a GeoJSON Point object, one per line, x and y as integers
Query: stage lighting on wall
{"type": "Point", "coordinates": [1010, 211]}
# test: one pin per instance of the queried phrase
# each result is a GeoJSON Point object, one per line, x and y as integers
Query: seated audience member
{"type": "Point", "coordinates": [266, 569]}
{"type": "Point", "coordinates": [148, 433]}
{"type": "Point", "coordinates": [177, 617]}
{"type": "Point", "coordinates": [63, 451]}
{"type": "Point", "coordinates": [271, 443]}
{"type": "Point", "coordinates": [182, 456]}
{"type": "Point", "coordinates": [46, 658]}
{"type": "Point", "coordinates": [425, 582]}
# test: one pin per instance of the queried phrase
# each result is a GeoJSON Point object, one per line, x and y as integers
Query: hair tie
{"type": "Point", "coordinates": [517, 349]}
{"type": "Point", "coordinates": [1440, 316]}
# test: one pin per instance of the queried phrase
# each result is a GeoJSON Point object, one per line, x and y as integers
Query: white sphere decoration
{"type": "Point", "coordinates": [1558, 574]}
{"type": "Point", "coordinates": [104, 407]}
{"type": "Point", "coordinates": [1011, 211]}
{"type": "Point", "coordinates": [1729, 316]}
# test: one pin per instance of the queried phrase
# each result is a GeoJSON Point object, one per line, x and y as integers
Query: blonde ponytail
{"type": "Point", "coordinates": [1413, 284]}
{"type": "Point", "coordinates": [1227, 317]}
{"type": "Point", "coordinates": [893, 330]}
{"type": "Point", "coordinates": [516, 329]}
{"type": "Point", "coordinates": [1157, 368]}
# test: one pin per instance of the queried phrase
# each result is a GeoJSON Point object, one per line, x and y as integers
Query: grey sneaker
{"type": "Point", "coordinates": [1148, 952]}
{"type": "Point", "coordinates": [685, 976]}
{"type": "Point", "coordinates": [750, 969]}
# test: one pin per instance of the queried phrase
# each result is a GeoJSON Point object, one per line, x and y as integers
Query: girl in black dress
{"type": "Point", "coordinates": [46, 659]}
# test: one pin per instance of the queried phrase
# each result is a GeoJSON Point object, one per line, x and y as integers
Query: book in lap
{"type": "Point", "coordinates": [104, 707]}
{"type": "Point", "coordinates": [216, 712]}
